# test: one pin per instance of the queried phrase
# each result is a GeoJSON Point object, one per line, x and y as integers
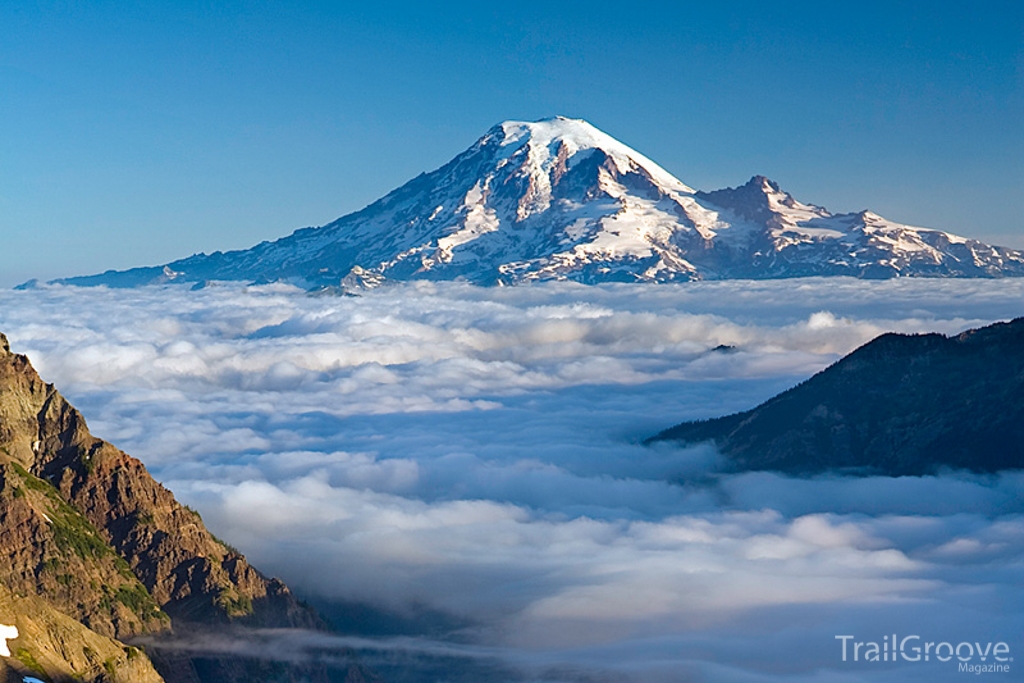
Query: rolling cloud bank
{"type": "Point", "coordinates": [474, 453]}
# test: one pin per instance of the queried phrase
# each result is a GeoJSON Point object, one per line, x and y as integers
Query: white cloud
{"type": "Point", "coordinates": [476, 451]}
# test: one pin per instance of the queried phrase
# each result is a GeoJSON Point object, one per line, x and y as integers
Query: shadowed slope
{"type": "Point", "coordinates": [899, 405]}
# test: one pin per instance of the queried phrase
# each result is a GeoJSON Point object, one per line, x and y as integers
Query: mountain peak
{"type": "Point", "coordinates": [549, 139]}
{"type": "Point", "coordinates": [559, 199]}
{"type": "Point", "coordinates": [556, 127]}
{"type": "Point", "coordinates": [763, 183]}
{"type": "Point", "coordinates": [758, 200]}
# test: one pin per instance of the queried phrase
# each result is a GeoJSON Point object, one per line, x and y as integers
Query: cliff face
{"type": "Point", "coordinates": [93, 539]}
{"type": "Point", "coordinates": [52, 550]}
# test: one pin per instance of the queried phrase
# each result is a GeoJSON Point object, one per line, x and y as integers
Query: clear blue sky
{"type": "Point", "coordinates": [136, 135]}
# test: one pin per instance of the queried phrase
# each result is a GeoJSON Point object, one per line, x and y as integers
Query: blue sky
{"type": "Point", "coordinates": [132, 136]}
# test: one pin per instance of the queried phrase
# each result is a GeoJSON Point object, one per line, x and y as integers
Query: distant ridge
{"type": "Point", "coordinates": [899, 405]}
{"type": "Point", "coordinates": [559, 199]}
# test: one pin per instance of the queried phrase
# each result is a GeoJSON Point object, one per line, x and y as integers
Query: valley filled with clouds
{"type": "Point", "coordinates": [475, 454]}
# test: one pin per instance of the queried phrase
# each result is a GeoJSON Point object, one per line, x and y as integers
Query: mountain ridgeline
{"type": "Point", "coordinates": [97, 553]}
{"type": "Point", "coordinates": [899, 405]}
{"type": "Point", "coordinates": [560, 200]}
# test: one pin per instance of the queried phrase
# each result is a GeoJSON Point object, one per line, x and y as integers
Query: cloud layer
{"type": "Point", "coordinates": [476, 452]}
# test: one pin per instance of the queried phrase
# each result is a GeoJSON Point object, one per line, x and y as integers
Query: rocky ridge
{"type": "Point", "coordinates": [899, 405]}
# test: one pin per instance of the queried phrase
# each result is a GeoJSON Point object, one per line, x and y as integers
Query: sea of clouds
{"type": "Point", "coordinates": [476, 453]}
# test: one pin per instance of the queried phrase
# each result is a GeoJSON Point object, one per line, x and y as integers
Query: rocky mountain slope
{"type": "Point", "coordinates": [53, 646]}
{"type": "Point", "coordinates": [899, 405]}
{"type": "Point", "coordinates": [98, 550]}
{"type": "Point", "coordinates": [560, 200]}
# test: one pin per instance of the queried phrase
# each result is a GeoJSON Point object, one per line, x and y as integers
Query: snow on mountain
{"type": "Point", "coordinates": [558, 199]}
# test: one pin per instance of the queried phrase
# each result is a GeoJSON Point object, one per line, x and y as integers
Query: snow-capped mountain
{"type": "Point", "coordinates": [559, 199]}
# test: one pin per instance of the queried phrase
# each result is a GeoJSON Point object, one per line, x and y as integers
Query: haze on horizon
{"type": "Point", "coordinates": [135, 136]}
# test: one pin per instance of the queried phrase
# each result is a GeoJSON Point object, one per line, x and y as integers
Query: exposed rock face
{"type": "Point", "coordinates": [53, 645]}
{"type": "Point", "coordinates": [899, 405]}
{"type": "Point", "coordinates": [52, 550]}
{"type": "Point", "coordinates": [98, 550]}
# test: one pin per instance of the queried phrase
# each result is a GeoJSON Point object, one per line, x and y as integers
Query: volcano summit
{"type": "Point", "coordinates": [558, 199]}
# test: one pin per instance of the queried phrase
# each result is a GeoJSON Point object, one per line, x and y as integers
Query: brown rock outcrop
{"type": "Point", "coordinates": [52, 550]}
{"type": "Point", "coordinates": [52, 645]}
